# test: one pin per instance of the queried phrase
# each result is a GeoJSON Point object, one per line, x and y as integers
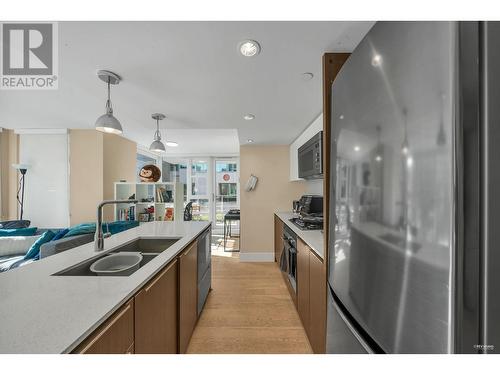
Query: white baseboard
{"type": "Point", "coordinates": [257, 257]}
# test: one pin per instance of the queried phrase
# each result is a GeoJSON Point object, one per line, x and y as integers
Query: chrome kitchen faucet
{"type": "Point", "coordinates": [99, 236]}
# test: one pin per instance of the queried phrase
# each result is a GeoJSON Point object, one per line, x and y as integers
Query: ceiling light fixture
{"type": "Point", "coordinates": [157, 144]}
{"type": "Point", "coordinates": [250, 140]}
{"type": "Point", "coordinates": [376, 60]}
{"type": "Point", "coordinates": [249, 48]}
{"type": "Point", "coordinates": [108, 123]}
{"type": "Point", "coordinates": [249, 117]}
{"type": "Point", "coordinates": [357, 148]}
{"type": "Point", "coordinates": [171, 144]}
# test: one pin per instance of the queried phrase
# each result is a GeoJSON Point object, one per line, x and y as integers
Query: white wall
{"type": "Point", "coordinates": [46, 200]}
{"type": "Point", "coordinates": [312, 186]}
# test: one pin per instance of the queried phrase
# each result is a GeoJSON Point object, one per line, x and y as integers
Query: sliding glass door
{"type": "Point", "coordinates": [211, 184]}
{"type": "Point", "coordinates": [201, 189]}
{"type": "Point", "coordinates": [226, 192]}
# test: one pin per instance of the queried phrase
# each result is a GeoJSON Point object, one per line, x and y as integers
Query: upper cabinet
{"type": "Point", "coordinates": [311, 130]}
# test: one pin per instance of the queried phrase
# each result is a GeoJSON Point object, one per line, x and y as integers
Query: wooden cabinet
{"type": "Point", "coordinates": [160, 318]}
{"type": "Point", "coordinates": [317, 303]}
{"type": "Point", "coordinates": [156, 311]}
{"type": "Point", "coordinates": [311, 295]}
{"type": "Point", "coordinates": [303, 289]}
{"type": "Point", "coordinates": [188, 296]}
{"type": "Point", "coordinates": [115, 336]}
{"type": "Point", "coordinates": [278, 238]}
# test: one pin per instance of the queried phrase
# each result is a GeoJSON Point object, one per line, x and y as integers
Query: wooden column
{"type": "Point", "coordinates": [332, 62]}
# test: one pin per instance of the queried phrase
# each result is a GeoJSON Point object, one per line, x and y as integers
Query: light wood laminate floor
{"type": "Point", "coordinates": [249, 310]}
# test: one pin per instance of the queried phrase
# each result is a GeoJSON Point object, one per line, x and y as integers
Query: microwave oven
{"type": "Point", "coordinates": [310, 156]}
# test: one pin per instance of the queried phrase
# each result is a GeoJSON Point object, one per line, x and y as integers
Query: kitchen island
{"type": "Point", "coordinates": [43, 313]}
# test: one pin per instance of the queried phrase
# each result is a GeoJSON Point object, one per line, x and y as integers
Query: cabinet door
{"type": "Point", "coordinates": [115, 336]}
{"type": "Point", "coordinates": [278, 239]}
{"type": "Point", "coordinates": [317, 297]}
{"type": "Point", "coordinates": [188, 295]}
{"type": "Point", "coordinates": [303, 283]}
{"type": "Point", "coordinates": [156, 314]}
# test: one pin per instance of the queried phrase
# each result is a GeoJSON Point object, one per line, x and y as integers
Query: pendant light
{"type": "Point", "coordinates": [108, 123]}
{"type": "Point", "coordinates": [157, 144]}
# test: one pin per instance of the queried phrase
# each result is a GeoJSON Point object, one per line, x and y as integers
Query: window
{"type": "Point", "coordinates": [175, 171]}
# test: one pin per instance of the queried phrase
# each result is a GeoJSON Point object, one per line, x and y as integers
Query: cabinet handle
{"type": "Point", "coordinates": [108, 326]}
{"type": "Point", "coordinates": [155, 280]}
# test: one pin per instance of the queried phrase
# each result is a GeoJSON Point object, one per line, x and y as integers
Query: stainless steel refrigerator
{"type": "Point", "coordinates": [414, 251]}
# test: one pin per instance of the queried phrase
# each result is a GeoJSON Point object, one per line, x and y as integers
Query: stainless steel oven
{"type": "Point", "coordinates": [310, 158]}
{"type": "Point", "coordinates": [290, 250]}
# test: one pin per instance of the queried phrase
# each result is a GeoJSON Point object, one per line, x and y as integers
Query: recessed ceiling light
{"type": "Point", "coordinates": [307, 76]}
{"type": "Point", "coordinates": [357, 148]}
{"type": "Point", "coordinates": [376, 60]}
{"type": "Point", "coordinates": [249, 48]}
{"type": "Point", "coordinates": [341, 117]}
{"type": "Point", "coordinates": [250, 140]}
{"type": "Point", "coordinates": [171, 144]}
{"type": "Point", "coordinates": [249, 117]}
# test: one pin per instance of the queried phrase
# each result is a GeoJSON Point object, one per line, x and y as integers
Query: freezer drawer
{"type": "Point", "coordinates": [341, 337]}
{"type": "Point", "coordinates": [203, 288]}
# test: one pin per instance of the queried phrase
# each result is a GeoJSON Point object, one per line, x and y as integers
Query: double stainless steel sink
{"type": "Point", "coordinates": [149, 248]}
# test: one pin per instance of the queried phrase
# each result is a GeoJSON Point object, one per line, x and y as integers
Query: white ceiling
{"type": "Point", "coordinates": [192, 72]}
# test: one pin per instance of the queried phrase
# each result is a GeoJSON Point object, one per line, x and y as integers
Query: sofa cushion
{"type": "Point", "coordinates": [60, 234]}
{"type": "Point", "coordinates": [18, 232]}
{"type": "Point", "coordinates": [34, 250]}
{"type": "Point", "coordinates": [84, 228]}
{"type": "Point", "coordinates": [119, 226]}
{"type": "Point", "coordinates": [10, 246]}
{"type": "Point", "coordinates": [113, 228]}
{"type": "Point", "coordinates": [63, 244]}
{"type": "Point", "coordinates": [7, 263]}
{"type": "Point", "coordinates": [14, 224]}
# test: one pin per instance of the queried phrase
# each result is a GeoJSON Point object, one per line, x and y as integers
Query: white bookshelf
{"type": "Point", "coordinates": [163, 196]}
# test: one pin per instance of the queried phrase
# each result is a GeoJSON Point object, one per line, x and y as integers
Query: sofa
{"type": "Point", "coordinates": [21, 245]}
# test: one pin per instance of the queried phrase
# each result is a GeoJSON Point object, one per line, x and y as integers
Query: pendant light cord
{"type": "Point", "coordinates": [157, 135]}
{"type": "Point", "coordinates": [109, 107]}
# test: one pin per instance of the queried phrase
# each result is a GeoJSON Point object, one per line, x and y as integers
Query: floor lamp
{"type": "Point", "coordinates": [22, 168]}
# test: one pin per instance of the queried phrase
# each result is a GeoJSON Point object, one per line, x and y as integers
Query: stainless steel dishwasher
{"type": "Point", "coordinates": [204, 267]}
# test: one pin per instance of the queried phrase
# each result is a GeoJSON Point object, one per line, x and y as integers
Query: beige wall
{"type": "Point", "coordinates": [274, 192]}
{"type": "Point", "coordinates": [9, 154]}
{"type": "Point", "coordinates": [86, 174]}
{"type": "Point", "coordinates": [118, 164]}
{"type": "Point", "coordinates": [97, 161]}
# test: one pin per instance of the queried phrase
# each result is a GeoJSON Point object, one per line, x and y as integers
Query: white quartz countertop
{"type": "Point", "coordinates": [40, 313]}
{"type": "Point", "coordinates": [313, 238]}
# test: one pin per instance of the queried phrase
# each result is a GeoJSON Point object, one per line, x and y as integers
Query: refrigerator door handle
{"type": "Point", "coordinates": [351, 328]}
